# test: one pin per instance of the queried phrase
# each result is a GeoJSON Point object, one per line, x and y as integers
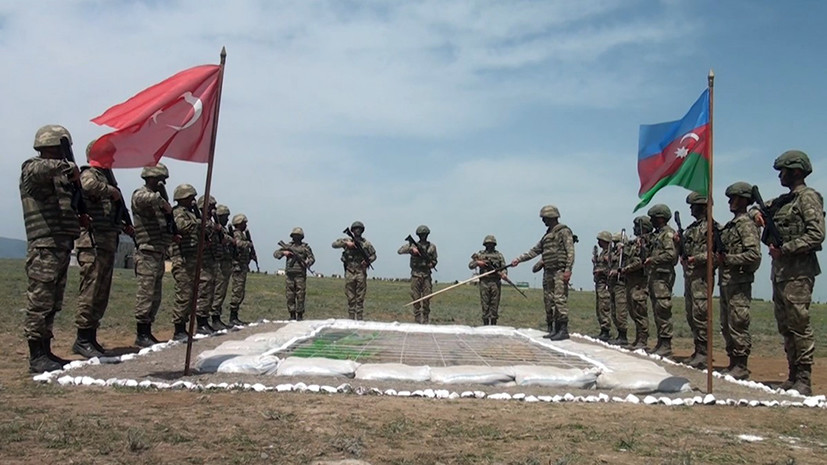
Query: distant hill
{"type": "Point", "coordinates": [12, 248]}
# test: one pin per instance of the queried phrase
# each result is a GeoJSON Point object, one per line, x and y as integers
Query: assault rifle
{"type": "Point", "coordinates": [296, 255]}
{"type": "Point", "coordinates": [717, 242]}
{"type": "Point", "coordinates": [681, 240]}
{"type": "Point", "coordinates": [490, 266]}
{"type": "Point", "coordinates": [771, 235]}
{"type": "Point", "coordinates": [359, 247]}
{"type": "Point", "coordinates": [422, 253]}
{"type": "Point", "coordinates": [121, 213]}
{"type": "Point", "coordinates": [253, 254]}
{"type": "Point", "coordinates": [172, 228]}
{"type": "Point", "coordinates": [78, 203]}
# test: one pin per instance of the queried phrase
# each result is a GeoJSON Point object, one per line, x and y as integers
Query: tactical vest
{"type": "Point", "coordinates": [150, 224]}
{"type": "Point", "coordinates": [494, 258]}
{"type": "Point", "coordinates": [555, 255]}
{"type": "Point", "coordinates": [634, 256]}
{"type": "Point", "coordinates": [789, 220]}
{"type": "Point", "coordinates": [418, 263]}
{"type": "Point", "coordinates": [292, 265]}
{"type": "Point", "coordinates": [188, 247]}
{"type": "Point", "coordinates": [242, 253]}
{"type": "Point", "coordinates": [100, 208]}
{"type": "Point", "coordinates": [661, 240]}
{"type": "Point", "coordinates": [352, 258]}
{"type": "Point", "coordinates": [47, 205]}
{"type": "Point", "coordinates": [734, 243]}
{"type": "Point", "coordinates": [601, 267]}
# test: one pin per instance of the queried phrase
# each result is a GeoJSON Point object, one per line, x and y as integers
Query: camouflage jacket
{"type": "Point", "coordinates": [799, 217]}
{"type": "Point", "coordinates": [743, 257]}
{"type": "Point", "coordinates": [419, 266]}
{"type": "Point", "coordinates": [556, 247]}
{"type": "Point", "coordinates": [634, 256]}
{"type": "Point", "coordinates": [352, 259]}
{"type": "Point", "coordinates": [243, 248]}
{"type": "Point", "coordinates": [601, 267]}
{"type": "Point", "coordinates": [151, 231]}
{"type": "Point", "coordinates": [694, 239]}
{"type": "Point", "coordinates": [293, 266]}
{"type": "Point", "coordinates": [494, 259]}
{"type": "Point", "coordinates": [46, 195]}
{"type": "Point", "coordinates": [188, 226]}
{"type": "Point", "coordinates": [662, 251]}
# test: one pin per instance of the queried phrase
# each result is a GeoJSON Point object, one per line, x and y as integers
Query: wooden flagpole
{"type": "Point", "coordinates": [472, 278]}
{"type": "Point", "coordinates": [201, 231]}
{"type": "Point", "coordinates": [710, 270]}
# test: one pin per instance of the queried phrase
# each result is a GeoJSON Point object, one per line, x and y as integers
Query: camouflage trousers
{"type": "Point", "coordinates": [183, 272]}
{"type": "Point", "coordinates": [239, 286]}
{"type": "Point", "coordinates": [620, 305]}
{"type": "Point", "coordinates": [420, 287]}
{"type": "Point", "coordinates": [603, 305]}
{"type": "Point", "coordinates": [660, 293]}
{"type": "Point", "coordinates": [206, 288]}
{"type": "Point", "coordinates": [555, 296]}
{"type": "Point", "coordinates": [96, 268]}
{"type": "Point", "coordinates": [356, 286]}
{"type": "Point", "coordinates": [791, 301]}
{"type": "Point", "coordinates": [694, 294]}
{"type": "Point", "coordinates": [222, 282]}
{"type": "Point", "coordinates": [735, 302]}
{"type": "Point", "coordinates": [295, 288]}
{"type": "Point", "coordinates": [490, 291]}
{"type": "Point", "coordinates": [149, 268]}
{"type": "Point", "coordinates": [46, 269]}
{"type": "Point", "coordinates": [637, 297]}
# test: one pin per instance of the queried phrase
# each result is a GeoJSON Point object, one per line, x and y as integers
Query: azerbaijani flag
{"type": "Point", "coordinates": [675, 153]}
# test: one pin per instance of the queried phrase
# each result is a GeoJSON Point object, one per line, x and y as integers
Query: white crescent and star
{"type": "Point", "coordinates": [197, 107]}
{"type": "Point", "coordinates": [683, 151]}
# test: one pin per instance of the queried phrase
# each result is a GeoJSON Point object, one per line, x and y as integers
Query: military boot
{"type": "Point", "coordinates": [418, 318]}
{"type": "Point", "coordinates": [204, 326]}
{"type": "Point", "coordinates": [292, 316]}
{"type": "Point", "coordinates": [739, 369]}
{"type": "Point", "coordinates": [39, 361]}
{"type": "Point", "coordinates": [235, 321]}
{"type": "Point", "coordinates": [791, 377]}
{"type": "Point", "coordinates": [656, 348]}
{"type": "Point", "coordinates": [665, 349]}
{"type": "Point", "coordinates": [143, 335]}
{"type": "Point", "coordinates": [217, 324]}
{"type": "Point", "coordinates": [426, 318]}
{"type": "Point", "coordinates": [351, 315]}
{"type": "Point", "coordinates": [620, 340]}
{"type": "Point", "coordinates": [96, 343]}
{"type": "Point", "coordinates": [552, 330]}
{"type": "Point", "coordinates": [485, 321]}
{"type": "Point", "coordinates": [493, 321]}
{"type": "Point", "coordinates": [803, 380]}
{"type": "Point", "coordinates": [180, 334]}
{"type": "Point", "coordinates": [299, 316]}
{"type": "Point", "coordinates": [562, 331]}
{"type": "Point", "coordinates": [604, 335]}
{"type": "Point", "coordinates": [640, 342]}
{"type": "Point", "coordinates": [47, 347]}
{"type": "Point", "coordinates": [698, 360]}
{"type": "Point", "coordinates": [83, 344]}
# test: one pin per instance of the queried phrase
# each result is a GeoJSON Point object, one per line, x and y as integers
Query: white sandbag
{"type": "Point", "coordinates": [656, 380]}
{"type": "Point", "coordinates": [243, 347]}
{"type": "Point", "coordinates": [533, 375]}
{"type": "Point", "coordinates": [470, 374]}
{"type": "Point", "coordinates": [209, 360]}
{"type": "Point", "coordinates": [316, 366]}
{"type": "Point", "coordinates": [393, 372]}
{"type": "Point", "coordinates": [250, 364]}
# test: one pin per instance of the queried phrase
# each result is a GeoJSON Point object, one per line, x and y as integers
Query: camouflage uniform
{"type": "Point", "coordinates": [51, 228]}
{"type": "Point", "coordinates": [211, 258]}
{"type": "Point", "coordinates": [224, 269]}
{"type": "Point", "coordinates": [603, 296]}
{"type": "Point", "coordinates": [421, 284]}
{"type": "Point", "coordinates": [490, 285]}
{"type": "Point", "coordinates": [637, 290]}
{"type": "Point", "coordinates": [355, 274]}
{"type": "Point", "coordinates": [741, 238]}
{"type": "Point", "coordinates": [295, 284]}
{"type": "Point", "coordinates": [617, 286]}
{"type": "Point", "coordinates": [184, 255]}
{"type": "Point", "coordinates": [241, 266]}
{"type": "Point", "coordinates": [662, 258]}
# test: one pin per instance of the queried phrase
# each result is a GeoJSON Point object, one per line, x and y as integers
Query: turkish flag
{"type": "Point", "coordinates": [173, 118]}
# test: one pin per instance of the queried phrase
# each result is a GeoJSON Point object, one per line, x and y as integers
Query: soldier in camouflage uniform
{"type": "Point", "coordinates": [490, 286]}
{"type": "Point", "coordinates": [224, 269]}
{"type": "Point", "coordinates": [241, 266]}
{"type": "Point", "coordinates": [154, 232]}
{"type": "Point", "coordinates": [96, 260]}
{"type": "Point", "coordinates": [737, 265]}
{"type": "Point", "coordinates": [184, 254]}
{"type": "Point", "coordinates": [51, 228]}
{"type": "Point", "coordinates": [356, 266]}
{"type": "Point", "coordinates": [421, 284]}
{"type": "Point", "coordinates": [799, 217]}
{"type": "Point", "coordinates": [299, 259]}
{"type": "Point", "coordinates": [634, 273]}
{"type": "Point", "coordinates": [602, 294]}
{"type": "Point", "coordinates": [210, 262]}
{"type": "Point", "coordinates": [694, 277]}
{"type": "Point", "coordinates": [660, 269]}
{"type": "Point", "coordinates": [557, 249]}
{"type": "Point", "coordinates": [617, 287]}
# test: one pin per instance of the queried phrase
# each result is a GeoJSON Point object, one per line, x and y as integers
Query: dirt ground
{"type": "Point", "coordinates": [78, 425]}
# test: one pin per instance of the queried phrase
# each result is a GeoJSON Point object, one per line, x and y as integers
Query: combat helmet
{"type": "Point", "coordinates": [604, 236]}
{"type": "Point", "coordinates": [222, 210]}
{"type": "Point", "coordinates": [158, 171]}
{"type": "Point", "coordinates": [549, 211]}
{"type": "Point", "coordinates": [201, 201]}
{"type": "Point", "coordinates": [50, 135]}
{"type": "Point", "coordinates": [695, 198]}
{"type": "Point", "coordinates": [422, 229]}
{"type": "Point", "coordinates": [644, 223]}
{"type": "Point", "coordinates": [660, 211]}
{"type": "Point", "coordinates": [357, 224]}
{"type": "Point", "coordinates": [238, 219]}
{"type": "Point", "coordinates": [183, 191]}
{"type": "Point", "coordinates": [489, 239]}
{"type": "Point", "coordinates": [794, 159]}
{"type": "Point", "coordinates": [740, 189]}
{"type": "Point", "coordinates": [297, 232]}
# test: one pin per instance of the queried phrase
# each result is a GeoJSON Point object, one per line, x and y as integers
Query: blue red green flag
{"type": "Point", "coordinates": [675, 153]}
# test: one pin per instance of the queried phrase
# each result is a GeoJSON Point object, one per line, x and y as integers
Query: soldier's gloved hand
{"type": "Point", "coordinates": [114, 193]}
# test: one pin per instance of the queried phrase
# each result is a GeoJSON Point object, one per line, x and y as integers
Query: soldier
{"type": "Point", "coordinates": [557, 249]}
{"type": "Point", "coordinates": [96, 256]}
{"type": "Point", "coordinates": [660, 269]}
{"type": "Point", "coordinates": [51, 228]}
{"type": "Point", "coordinates": [356, 264]}
{"type": "Point", "coordinates": [299, 259]}
{"type": "Point", "coordinates": [617, 288]}
{"type": "Point", "coordinates": [491, 285]}
{"type": "Point", "coordinates": [225, 267]}
{"type": "Point", "coordinates": [184, 254]}
{"type": "Point", "coordinates": [154, 232]}
{"type": "Point", "coordinates": [799, 217]}
{"type": "Point", "coordinates": [634, 274]}
{"type": "Point", "coordinates": [423, 260]}
{"type": "Point", "coordinates": [602, 293]}
{"type": "Point", "coordinates": [241, 266]}
{"type": "Point", "coordinates": [212, 255]}
{"type": "Point", "coordinates": [694, 277]}
{"type": "Point", "coordinates": [737, 263]}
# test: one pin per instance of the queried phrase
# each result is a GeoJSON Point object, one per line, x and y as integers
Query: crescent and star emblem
{"type": "Point", "coordinates": [197, 107]}
{"type": "Point", "coordinates": [683, 151]}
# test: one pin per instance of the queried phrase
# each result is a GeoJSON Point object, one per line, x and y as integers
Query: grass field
{"type": "Point", "coordinates": [52, 424]}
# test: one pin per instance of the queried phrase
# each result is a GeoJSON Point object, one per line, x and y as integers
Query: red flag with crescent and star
{"type": "Point", "coordinates": [173, 118]}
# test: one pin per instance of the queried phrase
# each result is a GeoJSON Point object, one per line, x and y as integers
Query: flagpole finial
{"type": "Point", "coordinates": [711, 77]}
{"type": "Point", "coordinates": [223, 54]}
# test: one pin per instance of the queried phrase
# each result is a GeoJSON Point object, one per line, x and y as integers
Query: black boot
{"type": "Point", "coordinates": [485, 322]}
{"type": "Point", "coordinates": [552, 330]}
{"type": "Point", "coordinates": [493, 321]}
{"type": "Point", "coordinates": [218, 324]}
{"type": "Point", "coordinates": [143, 335]}
{"type": "Point", "coordinates": [83, 344]}
{"type": "Point", "coordinates": [604, 335]}
{"type": "Point", "coordinates": [620, 340]}
{"type": "Point", "coordinates": [39, 361]}
{"type": "Point", "coordinates": [292, 316]}
{"type": "Point", "coordinates": [299, 316]}
{"type": "Point", "coordinates": [235, 321]}
{"type": "Point", "coordinates": [96, 343]}
{"type": "Point", "coordinates": [562, 331]}
{"type": "Point", "coordinates": [204, 326]}
{"type": "Point", "coordinates": [180, 334]}
{"type": "Point", "coordinates": [791, 377]}
{"type": "Point", "coordinates": [47, 348]}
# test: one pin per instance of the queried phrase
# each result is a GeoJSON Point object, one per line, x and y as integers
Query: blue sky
{"type": "Point", "coordinates": [466, 116]}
